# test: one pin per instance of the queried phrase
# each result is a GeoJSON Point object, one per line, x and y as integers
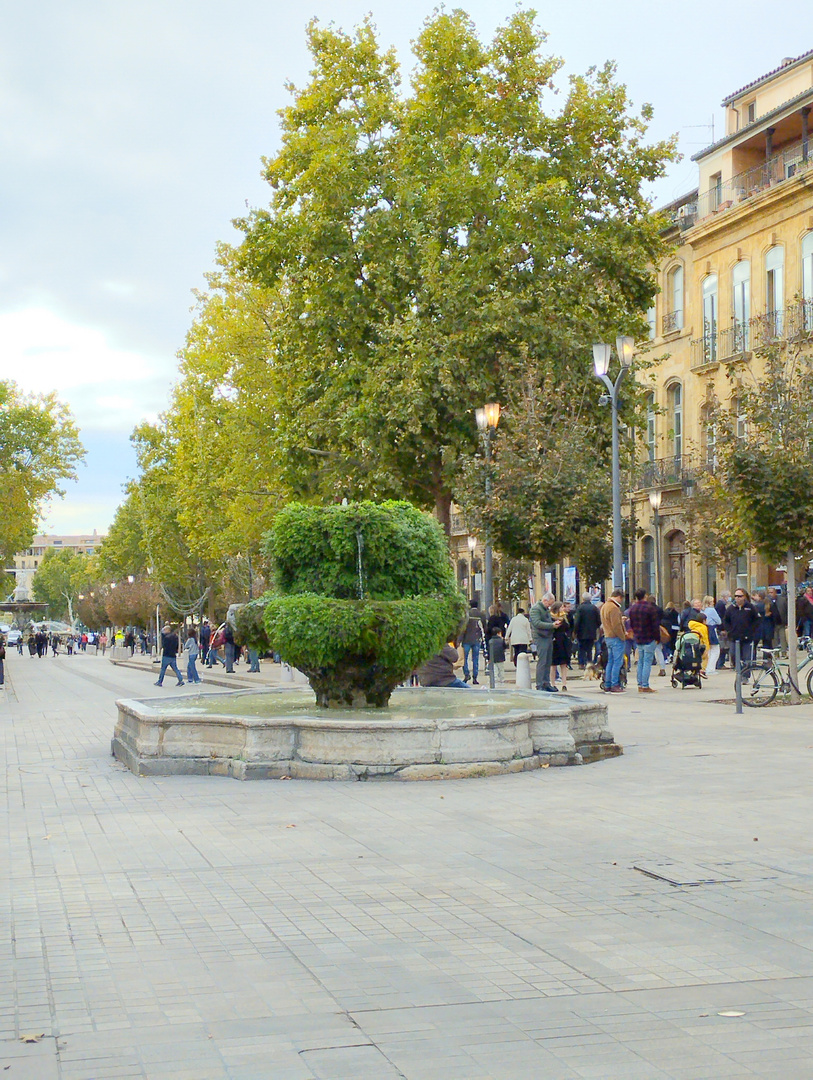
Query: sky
{"type": "Point", "coordinates": [131, 136]}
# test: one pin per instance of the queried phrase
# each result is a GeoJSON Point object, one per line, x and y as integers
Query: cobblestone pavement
{"type": "Point", "coordinates": [189, 928]}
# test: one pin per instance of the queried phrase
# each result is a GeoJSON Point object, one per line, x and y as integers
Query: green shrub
{"type": "Point", "coordinates": [355, 651]}
{"type": "Point", "coordinates": [249, 625]}
{"type": "Point", "coordinates": [315, 549]}
{"type": "Point", "coordinates": [362, 594]}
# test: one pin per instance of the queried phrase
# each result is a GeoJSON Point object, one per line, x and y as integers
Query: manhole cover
{"type": "Point", "coordinates": [675, 873]}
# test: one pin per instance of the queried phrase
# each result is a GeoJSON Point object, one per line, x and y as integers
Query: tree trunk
{"type": "Point", "coordinates": [793, 665]}
{"type": "Point", "coordinates": [443, 509]}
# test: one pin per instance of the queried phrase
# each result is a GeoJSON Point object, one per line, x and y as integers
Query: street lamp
{"type": "Point", "coordinates": [472, 546]}
{"type": "Point", "coordinates": [601, 362]}
{"type": "Point", "coordinates": [487, 419]}
{"type": "Point", "coordinates": [655, 503]}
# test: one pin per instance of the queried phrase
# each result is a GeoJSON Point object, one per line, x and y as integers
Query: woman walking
{"type": "Point", "coordinates": [560, 657]}
{"type": "Point", "coordinates": [192, 652]}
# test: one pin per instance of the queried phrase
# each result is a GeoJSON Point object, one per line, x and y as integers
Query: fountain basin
{"type": "Point", "coordinates": [424, 734]}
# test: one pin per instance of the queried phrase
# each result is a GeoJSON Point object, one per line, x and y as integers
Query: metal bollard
{"type": "Point", "coordinates": [738, 676]}
{"type": "Point", "coordinates": [523, 671]}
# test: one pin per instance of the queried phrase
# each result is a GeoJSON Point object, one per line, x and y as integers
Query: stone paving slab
{"type": "Point", "coordinates": [199, 928]}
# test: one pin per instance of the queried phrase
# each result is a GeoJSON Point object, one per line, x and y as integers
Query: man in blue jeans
{"type": "Point", "coordinates": [169, 654]}
{"type": "Point", "coordinates": [646, 629]}
{"type": "Point", "coordinates": [612, 623]}
{"type": "Point", "coordinates": [473, 637]}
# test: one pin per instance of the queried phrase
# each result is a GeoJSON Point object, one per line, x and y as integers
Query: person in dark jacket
{"type": "Point", "coordinates": [439, 670]}
{"type": "Point", "coordinates": [205, 638]}
{"type": "Point", "coordinates": [779, 612]}
{"type": "Point", "coordinates": [169, 653]}
{"type": "Point", "coordinates": [473, 636]}
{"type": "Point", "coordinates": [723, 603]}
{"type": "Point", "coordinates": [496, 619]}
{"type": "Point", "coordinates": [645, 622]}
{"type": "Point", "coordinates": [586, 625]}
{"type": "Point", "coordinates": [740, 623]}
{"type": "Point", "coordinates": [804, 614]}
{"type": "Point", "coordinates": [229, 646]}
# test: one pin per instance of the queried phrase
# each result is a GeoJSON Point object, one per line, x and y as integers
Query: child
{"type": "Point", "coordinates": [497, 649]}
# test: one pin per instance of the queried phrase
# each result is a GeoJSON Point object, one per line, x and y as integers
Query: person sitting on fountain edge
{"type": "Point", "coordinates": [439, 670]}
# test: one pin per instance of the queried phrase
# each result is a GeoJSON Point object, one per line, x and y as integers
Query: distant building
{"type": "Point", "coordinates": [27, 562]}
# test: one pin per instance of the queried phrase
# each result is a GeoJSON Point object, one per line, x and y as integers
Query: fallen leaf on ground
{"type": "Point", "coordinates": [546, 765]}
{"type": "Point", "coordinates": [290, 826]}
{"type": "Point", "coordinates": [31, 1038]}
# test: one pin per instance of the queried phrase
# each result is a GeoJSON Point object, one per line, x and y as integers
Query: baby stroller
{"type": "Point", "coordinates": [601, 666]}
{"type": "Point", "coordinates": [687, 660]}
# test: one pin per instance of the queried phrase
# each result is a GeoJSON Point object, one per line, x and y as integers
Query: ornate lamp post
{"type": "Point", "coordinates": [601, 362]}
{"type": "Point", "coordinates": [487, 419]}
{"type": "Point", "coordinates": [655, 503]}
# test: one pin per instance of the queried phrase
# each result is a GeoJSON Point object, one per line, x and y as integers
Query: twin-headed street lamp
{"type": "Point", "coordinates": [487, 419]}
{"type": "Point", "coordinates": [601, 361]}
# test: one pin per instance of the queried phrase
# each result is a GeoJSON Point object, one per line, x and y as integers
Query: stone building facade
{"type": "Point", "coordinates": [740, 277]}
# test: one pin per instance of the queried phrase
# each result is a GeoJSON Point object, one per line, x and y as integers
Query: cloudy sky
{"type": "Point", "coordinates": [131, 135]}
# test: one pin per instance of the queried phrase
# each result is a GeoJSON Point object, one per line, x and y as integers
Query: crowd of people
{"type": "Point", "coordinates": [607, 638]}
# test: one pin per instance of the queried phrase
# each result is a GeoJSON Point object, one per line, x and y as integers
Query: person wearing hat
{"type": "Point", "coordinates": [169, 653]}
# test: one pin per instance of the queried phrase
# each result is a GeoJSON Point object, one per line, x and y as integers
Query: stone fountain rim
{"type": "Point", "coordinates": [141, 709]}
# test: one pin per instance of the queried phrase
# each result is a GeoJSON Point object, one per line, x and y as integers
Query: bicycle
{"type": "Point", "coordinates": [763, 680]}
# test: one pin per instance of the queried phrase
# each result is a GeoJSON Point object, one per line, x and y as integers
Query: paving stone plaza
{"type": "Point", "coordinates": [200, 928]}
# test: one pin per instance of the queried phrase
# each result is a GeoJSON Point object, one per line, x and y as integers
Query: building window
{"type": "Point", "coordinates": [708, 438]}
{"type": "Point", "coordinates": [673, 318]}
{"type": "Point", "coordinates": [751, 111]}
{"type": "Point", "coordinates": [675, 399]}
{"type": "Point", "coordinates": [651, 318]}
{"type": "Point", "coordinates": [710, 318]}
{"type": "Point", "coordinates": [807, 281]}
{"type": "Point", "coordinates": [774, 289]}
{"type": "Point", "coordinates": [715, 191]}
{"type": "Point", "coordinates": [650, 426]}
{"type": "Point", "coordinates": [741, 306]}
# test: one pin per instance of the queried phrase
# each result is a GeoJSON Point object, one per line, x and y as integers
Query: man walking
{"type": "Point", "coordinates": [586, 622]}
{"type": "Point", "coordinates": [169, 654]}
{"type": "Point", "coordinates": [612, 623]}
{"type": "Point", "coordinates": [473, 636]}
{"type": "Point", "coordinates": [645, 620]}
{"type": "Point", "coordinates": [542, 621]}
{"type": "Point", "coordinates": [740, 624]}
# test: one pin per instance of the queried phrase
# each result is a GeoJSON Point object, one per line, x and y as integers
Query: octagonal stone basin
{"type": "Point", "coordinates": [424, 734]}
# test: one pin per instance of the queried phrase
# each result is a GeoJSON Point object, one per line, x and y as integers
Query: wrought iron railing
{"type": "Point", "coordinates": [666, 472]}
{"type": "Point", "coordinates": [734, 341]}
{"type": "Point", "coordinates": [704, 349]}
{"type": "Point", "coordinates": [791, 323]}
{"type": "Point", "coordinates": [671, 321]}
{"type": "Point", "coordinates": [790, 162]}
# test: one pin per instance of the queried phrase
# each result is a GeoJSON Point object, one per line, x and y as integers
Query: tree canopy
{"type": "Point", "coordinates": [39, 450]}
{"type": "Point", "coordinates": [427, 246]}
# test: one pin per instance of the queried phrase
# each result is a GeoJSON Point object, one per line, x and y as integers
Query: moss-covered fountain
{"type": "Point", "coordinates": [362, 594]}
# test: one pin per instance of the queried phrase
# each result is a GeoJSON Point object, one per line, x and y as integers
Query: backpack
{"type": "Point", "coordinates": [218, 639]}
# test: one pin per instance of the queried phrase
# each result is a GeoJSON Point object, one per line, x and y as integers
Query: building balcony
{"type": "Point", "coordinates": [664, 472]}
{"type": "Point", "coordinates": [792, 161]}
{"type": "Point", "coordinates": [793, 323]}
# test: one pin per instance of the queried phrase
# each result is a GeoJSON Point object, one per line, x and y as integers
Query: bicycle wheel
{"type": "Point", "coordinates": [759, 685]}
{"type": "Point", "coordinates": [810, 683]}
